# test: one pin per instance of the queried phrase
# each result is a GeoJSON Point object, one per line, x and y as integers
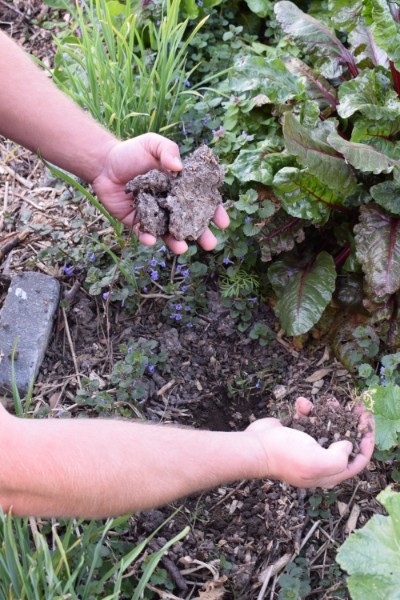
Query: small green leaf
{"type": "Point", "coordinates": [262, 8]}
{"type": "Point", "coordinates": [387, 195]}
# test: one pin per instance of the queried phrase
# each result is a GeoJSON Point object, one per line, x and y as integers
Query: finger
{"type": "Point", "coordinates": [207, 240]}
{"type": "Point", "coordinates": [145, 238]}
{"type": "Point", "coordinates": [166, 151]}
{"type": "Point", "coordinates": [335, 459]}
{"type": "Point", "coordinates": [221, 218]}
{"type": "Point", "coordinates": [303, 407]}
{"type": "Point", "coordinates": [177, 246]}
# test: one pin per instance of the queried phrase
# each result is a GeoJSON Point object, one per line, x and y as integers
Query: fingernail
{"type": "Point", "coordinates": [177, 162]}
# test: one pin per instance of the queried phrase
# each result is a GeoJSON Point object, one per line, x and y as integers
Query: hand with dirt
{"type": "Point", "coordinates": [139, 155]}
{"type": "Point", "coordinates": [37, 115]}
{"type": "Point", "coordinates": [297, 458]}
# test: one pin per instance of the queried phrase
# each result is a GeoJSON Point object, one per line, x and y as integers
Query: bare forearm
{"type": "Point", "coordinates": [98, 468]}
{"type": "Point", "coordinates": [35, 114]}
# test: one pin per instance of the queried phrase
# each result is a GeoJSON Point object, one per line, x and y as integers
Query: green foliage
{"type": "Point", "coordinates": [262, 333]}
{"type": "Point", "coordinates": [75, 559]}
{"type": "Point", "coordinates": [126, 69]}
{"type": "Point", "coordinates": [371, 555]}
{"type": "Point", "coordinates": [295, 581]}
{"type": "Point", "coordinates": [310, 127]}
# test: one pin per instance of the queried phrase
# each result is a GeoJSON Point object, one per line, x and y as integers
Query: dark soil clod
{"type": "Point", "coordinates": [329, 422]}
{"type": "Point", "coordinates": [181, 204]}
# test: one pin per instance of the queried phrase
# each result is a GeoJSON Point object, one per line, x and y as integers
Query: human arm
{"type": "Point", "coordinates": [35, 114]}
{"type": "Point", "coordinates": [98, 468]}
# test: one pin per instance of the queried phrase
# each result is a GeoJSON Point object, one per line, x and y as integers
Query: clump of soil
{"type": "Point", "coordinates": [329, 422]}
{"type": "Point", "coordinates": [180, 204]}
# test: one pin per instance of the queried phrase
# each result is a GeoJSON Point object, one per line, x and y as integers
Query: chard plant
{"type": "Point", "coordinates": [310, 133]}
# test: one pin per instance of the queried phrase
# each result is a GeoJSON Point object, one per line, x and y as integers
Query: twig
{"type": "Point", "coordinates": [20, 179]}
{"type": "Point", "coordinates": [71, 346]}
{"type": "Point", "coordinates": [11, 243]}
{"type": "Point", "coordinates": [13, 9]}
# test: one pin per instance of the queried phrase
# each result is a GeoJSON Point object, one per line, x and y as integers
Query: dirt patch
{"type": "Point", "coordinates": [328, 422]}
{"type": "Point", "coordinates": [182, 204]}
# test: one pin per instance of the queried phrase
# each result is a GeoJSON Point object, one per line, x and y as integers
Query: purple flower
{"type": "Point", "coordinates": [187, 83]}
{"type": "Point", "coordinates": [162, 264]}
{"type": "Point", "coordinates": [179, 268]}
{"type": "Point", "coordinates": [185, 288]}
{"type": "Point", "coordinates": [199, 3]}
{"type": "Point", "coordinates": [190, 324]}
{"type": "Point", "coordinates": [178, 317]}
{"type": "Point", "coordinates": [248, 219]}
{"type": "Point", "coordinates": [153, 262]}
{"type": "Point", "coordinates": [163, 249]}
{"type": "Point", "coordinates": [105, 295]}
{"type": "Point", "coordinates": [78, 32]}
{"type": "Point", "coordinates": [187, 308]}
{"type": "Point", "coordinates": [258, 385]}
{"type": "Point", "coordinates": [145, 290]}
{"type": "Point", "coordinates": [227, 261]}
{"type": "Point", "coordinates": [186, 272]}
{"type": "Point", "coordinates": [68, 270]}
{"type": "Point", "coordinates": [158, 22]}
{"type": "Point", "coordinates": [172, 315]}
{"type": "Point", "coordinates": [91, 256]}
{"type": "Point", "coordinates": [151, 368]}
{"type": "Point", "coordinates": [253, 300]}
{"type": "Point", "coordinates": [219, 132]}
{"type": "Point", "coordinates": [154, 275]}
{"type": "Point", "coordinates": [178, 306]}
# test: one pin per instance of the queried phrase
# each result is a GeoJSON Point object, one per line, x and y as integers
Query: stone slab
{"type": "Point", "coordinates": [26, 316]}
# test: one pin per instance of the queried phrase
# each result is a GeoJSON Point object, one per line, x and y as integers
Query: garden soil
{"type": "Point", "coordinates": [244, 534]}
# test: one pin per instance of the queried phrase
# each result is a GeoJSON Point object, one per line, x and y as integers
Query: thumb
{"type": "Point", "coordinates": [337, 456]}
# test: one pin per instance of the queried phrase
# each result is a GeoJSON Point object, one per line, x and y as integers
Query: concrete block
{"type": "Point", "coordinates": [27, 316]}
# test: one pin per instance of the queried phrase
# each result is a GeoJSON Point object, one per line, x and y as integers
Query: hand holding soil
{"type": "Point", "coordinates": [294, 456]}
{"type": "Point", "coordinates": [181, 204]}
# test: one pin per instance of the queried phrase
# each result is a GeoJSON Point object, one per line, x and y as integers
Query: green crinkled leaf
{"type": "Point", "coordinates": [258, 165]}
{"type": "Point", "coordinates": [306, 296]}
{"type": "Point", "coordinates": [345, 14]}
{"type": "Point", "coordinates": [364, 48]}
{"type": "Point", "coordinates": [267, 78]}
{"type": "Point", "coordinates": [381, 135]}
{"type": "Point", "coordinates": [371, 555]}
{"type": "Point", "coordinates": [315, 39]}
{"type": "Point", "coordinates": [303, 195]}
{"type": "Point", "coordinates": [386, 407]}
{"type": "Point", "coordinates": [387, 195]}
{"type": "Point", "coordinates": [318, 88]}
{"type": "Point", "coordinates": [363, 156]}
{"type": "Point", "coordinates": [377, 238]}
{"type": "Point", "coordinates": [280, 235]}
{"type": "Point", "coordinates": [313, 151]}
{"type": "Point", "coordinates": [371, 94]}
{"type": "Point", "coordinates": [385, 30]}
